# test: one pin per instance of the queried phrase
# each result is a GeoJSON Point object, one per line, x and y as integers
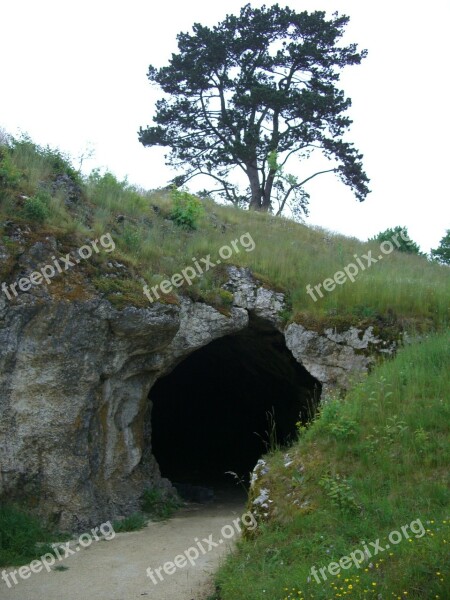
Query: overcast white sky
{"type": "Point", "coordinates": [73, 75]}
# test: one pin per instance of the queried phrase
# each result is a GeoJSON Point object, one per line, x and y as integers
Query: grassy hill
{"type": "Point", "coordinates": [40, 188]}
{"type": "Point", "coordinates": [369, 465]}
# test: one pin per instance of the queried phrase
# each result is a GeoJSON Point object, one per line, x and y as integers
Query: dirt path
{"type": "Point", "coordinates": [116, 569]}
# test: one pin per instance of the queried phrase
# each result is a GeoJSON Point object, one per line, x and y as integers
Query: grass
{"type": "Point", "coordinates": [22, 537]}
{"type": "Point", "coordinates": [368, 465]}
{"type": "Point", "coordinates": [407, 289]}
{"type": "Point", "coordinates": [133, 522]}
{"type": "Point", "coordinates": [156, 505]}
{"type": "Point", "coordinates": [159, 505]}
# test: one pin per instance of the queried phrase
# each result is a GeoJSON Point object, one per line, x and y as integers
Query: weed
{"type": "Point", "coordinates": [340, 492]}
{"type": "Point", "coordinates": [158, 504]}
{"type": "Point", "coordinates": [22, 537]}
{"type": "Point", "coordinates": [187, 209]}
{"type": "Point", "coordinates": [37, 207]}
{"type": "Point", "coordinates": [133, 522]}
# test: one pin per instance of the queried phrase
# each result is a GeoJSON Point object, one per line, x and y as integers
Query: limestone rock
{"type": "Point", "coordinates": [75, 380]}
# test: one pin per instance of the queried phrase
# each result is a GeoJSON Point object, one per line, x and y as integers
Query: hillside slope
{"type": "Point", "coordinates": [42, 194]}
{"type": "Point", "coordinates": [374, 466]}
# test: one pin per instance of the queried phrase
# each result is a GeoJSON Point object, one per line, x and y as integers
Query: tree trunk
{"type": "Point", "coordinates": [266, 203]}
{"type": "Point", "coordinates": [255, 187]}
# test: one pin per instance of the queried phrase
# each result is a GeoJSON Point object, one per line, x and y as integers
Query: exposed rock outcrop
{"type": "Point", "coordinates": [74, 384]}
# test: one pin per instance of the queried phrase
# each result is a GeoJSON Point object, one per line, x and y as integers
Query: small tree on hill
{"type": "Point", "coordinates": [249, 94]}
{"type": "Point", "coordinates": [403, 244]}
{"type": "Point", "coordinates": [442, 252]}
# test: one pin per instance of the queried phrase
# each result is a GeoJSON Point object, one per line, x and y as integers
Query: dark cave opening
{"type": "Point", "coordinates": [217, 410]}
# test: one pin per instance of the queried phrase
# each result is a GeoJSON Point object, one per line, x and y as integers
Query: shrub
{"type": "Point", "coordinates": [10, 175]}
{"type": "Point", "coordinates": [187, 209]}
{"type": "Point", "coordinates": [159, 504]}
{"type": "Point", "coordinates": [37, 207]}
{"type": "Point", "coordinates": [441, 254]}
{"type": "Point", "coordinates": [340, 493]}
{"type": "Point", "coordinates": [131, 238]}
{"type": "Point", "coordinates": [22, 537]}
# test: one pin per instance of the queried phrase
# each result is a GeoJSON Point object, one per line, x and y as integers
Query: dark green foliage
{"type": "Point", "coordinates": [22, 537]}
{"type": "Point", "coordinates": [37, 207]}
{"type": "Point", "coordinates": [250, 92]}
{"type": "Point", "coordinates": [403, 244]}
{"type": "Point", "coordinates": [9, 174]}
{"type": "Point", "coordinates": [442, 252]}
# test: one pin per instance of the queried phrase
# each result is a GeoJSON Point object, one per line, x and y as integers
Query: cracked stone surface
{"type": "Point", "coordinates": [75, 379]}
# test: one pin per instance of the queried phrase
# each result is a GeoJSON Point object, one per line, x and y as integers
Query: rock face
{"type": "Point", "coordinates": [75, 379]}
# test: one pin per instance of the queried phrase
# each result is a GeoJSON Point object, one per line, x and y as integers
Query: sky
{"type": "Point", "coordinates": [73, 75]}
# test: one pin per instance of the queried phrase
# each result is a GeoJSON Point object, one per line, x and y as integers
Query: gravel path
{"type": "Point", "coordinates": [116, 569]}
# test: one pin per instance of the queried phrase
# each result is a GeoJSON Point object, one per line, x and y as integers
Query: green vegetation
{"type": "Point", "coordinates": [187, 209]}
{"type": "Point", "coordinates": [159, 505]}
{"type": "Point", "coordinates": [400, 238]}
{"type": "Point", "coordinates": [368, 465]}
{"type": "Point", "coordinates": [156, 505]}
{"type": "Point", "coordinates": [36, 208]}
{"type": "Point", "coordinates": [251, 93]}
{"type": "Point", "coordinates": [22, 537]}
{"type": "Point", "coordinates": [133, 522]}
{"type": "Point", "coordinates": [442, 252]}
{"type": "Point", "coordinates": [393, 427]}
{"type": "Point", "coordinates": [402, 290]}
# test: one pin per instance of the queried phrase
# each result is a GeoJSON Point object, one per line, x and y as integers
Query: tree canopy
{"type": "Point", "coordinates": [403, 242]}
{"type": "Point", "coordinates": [250, 93]}
{"type": "Point", "coordinates": [442, 252]}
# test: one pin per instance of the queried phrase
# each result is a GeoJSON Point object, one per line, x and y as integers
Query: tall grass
{"type": "Point", "coordinates": [367, 466]}
{"type": "Point", "coordinates": [22, 537]}
{"type": "Point", "coordinates": [287, 255]}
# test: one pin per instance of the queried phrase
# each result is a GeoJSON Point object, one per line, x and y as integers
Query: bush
{"type": "Point", "coordinates": [9, 174]}
{"type": "Point", "coordinates": [442, 253]}
{"type": "Point", "coordinates": [405, 244]}
{"type": "Point", "coordinates": [187, 209]}
{"type": "Point", "coordinates": [37, 207]}
{"type": "Point", "coordinates": [22, 537]}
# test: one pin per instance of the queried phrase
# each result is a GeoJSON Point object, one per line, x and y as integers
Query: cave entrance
{"type": "Point", "coordinates": [218, 409]}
